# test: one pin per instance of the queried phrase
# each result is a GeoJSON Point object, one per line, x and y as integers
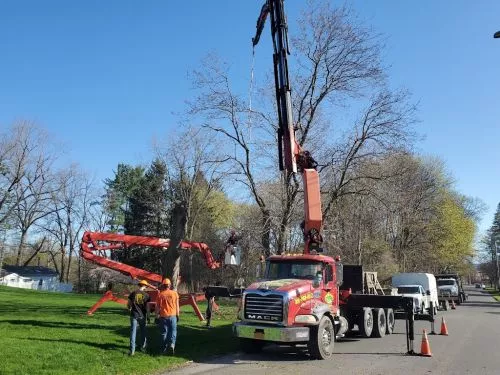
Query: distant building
{"type": "Point", "coordinates": [33, 277]}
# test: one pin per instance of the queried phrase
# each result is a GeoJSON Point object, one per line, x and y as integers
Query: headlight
{"type": "Point", "coordinates": [308, 319]}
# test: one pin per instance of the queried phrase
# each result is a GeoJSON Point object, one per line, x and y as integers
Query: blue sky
{"type": "Point", "coordinates": [108, 77]}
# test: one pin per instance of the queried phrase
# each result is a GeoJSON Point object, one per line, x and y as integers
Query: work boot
{"type": "Point", "coordinates": [171, 350]}
{"type": "Point", "coordinates": [131, 353]}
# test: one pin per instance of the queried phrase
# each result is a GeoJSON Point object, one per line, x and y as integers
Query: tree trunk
{"type": "Point", "coordinates": [68, 268]}
{"type": "Point", "coordinates": [62, 268]}
{"type": "Point", "coordinates": [35, 253]}
{"type": "Point", "coordinates": [172, 258]}
{"type": "Point", "coordinates": [79, 287]}
{"type": "Point", "coordinates": [191, 281]}
{"type": "Point", "coordinates": [266, 232]}
{"type": "Point", "coordinates": [21, 246]}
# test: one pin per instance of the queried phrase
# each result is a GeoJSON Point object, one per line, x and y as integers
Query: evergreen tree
{"type": "Point", "coordinates": [126, 182]}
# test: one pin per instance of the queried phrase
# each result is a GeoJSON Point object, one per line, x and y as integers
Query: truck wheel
{"type": "Point", "coordinates": [251, 346]}
{"type": "Point", "coordinates": [391, 321]}
{"type": "Point", "coordinates": [366, 322]}
{"type": "Point", "coordinates": [380, 323]}
{"type": "Point", "coordinates": [322, 339]}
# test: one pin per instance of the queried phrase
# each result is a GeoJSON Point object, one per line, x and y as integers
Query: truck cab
{"type": "Point", "coordinates": [448, 286]}
{"type": "Point", "coordinates": [421, 302]}
{"type": "Point", "coordinates": [451, 288]}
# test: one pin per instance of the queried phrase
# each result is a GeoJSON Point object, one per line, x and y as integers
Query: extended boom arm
{"type": "Point", "coordinates": [95, 242]}
{"type": "Point", "coordinates": [292, 158]}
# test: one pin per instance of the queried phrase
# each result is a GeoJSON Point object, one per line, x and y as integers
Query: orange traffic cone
{"type": "Point", "coordinates": [444, 329]}
{"type": "Point", "coordinates": [425, 349]}
{"type": "Point", "coordinates": [453, 307]}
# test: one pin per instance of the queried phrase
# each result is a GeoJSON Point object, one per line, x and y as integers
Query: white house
{"type": "Point", "coordinates": [33, 277]}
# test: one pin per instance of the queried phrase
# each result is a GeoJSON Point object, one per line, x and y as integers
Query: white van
{"type": "Point", "coordinates": [426, 280]}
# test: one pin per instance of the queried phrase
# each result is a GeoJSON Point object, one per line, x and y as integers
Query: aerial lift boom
{"type": "Point", "coordinates": [95, 244]}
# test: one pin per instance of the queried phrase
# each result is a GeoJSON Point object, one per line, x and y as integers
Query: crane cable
{"type": "Point", "coordinates": [250, 95]}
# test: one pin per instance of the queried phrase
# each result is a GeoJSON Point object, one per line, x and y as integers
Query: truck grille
{"type": "Point", "coordinates": [268, 308]}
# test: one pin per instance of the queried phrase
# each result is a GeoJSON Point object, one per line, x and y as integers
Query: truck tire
{"type": "Point", "coordinates": [379, 323]}
{"type": "Point", "coordinates": [365, 323]}
{"type": "Point", "coordinates": [322, 339]}
{"type": "Point", "coordinates": [251, 346]}
{"type": "Point", "coordinates": [391, 321]}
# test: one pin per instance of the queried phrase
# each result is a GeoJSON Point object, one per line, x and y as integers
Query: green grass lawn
{"type": "Point", "coordinates": [50, 333]}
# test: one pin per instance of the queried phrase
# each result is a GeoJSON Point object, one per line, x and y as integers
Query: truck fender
{"type": "Point", "coordinates": [323, 309]}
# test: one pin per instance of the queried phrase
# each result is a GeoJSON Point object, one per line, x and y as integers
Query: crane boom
{"type": "Point", "coordinates": [292, 158]}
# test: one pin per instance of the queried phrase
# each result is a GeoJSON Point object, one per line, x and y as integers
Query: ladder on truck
{"type": "Point", "coordinates": [371, 284]}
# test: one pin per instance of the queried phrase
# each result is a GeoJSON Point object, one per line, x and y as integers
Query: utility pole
{"type": "Point", "coordinates": [495, 244]}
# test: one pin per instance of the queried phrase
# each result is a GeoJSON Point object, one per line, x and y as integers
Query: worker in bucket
{"type": "Point", "coordinates": [167, 313]}
{"type": "Point", "coordinates": [138, 305]}
{"type": "Point", "coordinates": [231, 251]}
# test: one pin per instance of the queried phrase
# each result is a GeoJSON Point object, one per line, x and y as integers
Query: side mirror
{"type": "Point", "coordinates": [428, 292]}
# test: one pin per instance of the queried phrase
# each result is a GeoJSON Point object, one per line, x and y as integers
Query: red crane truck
{"type": "Point", "coordinates": [306, 298]}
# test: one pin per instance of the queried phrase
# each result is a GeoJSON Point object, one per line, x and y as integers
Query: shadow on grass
{"type": "Point", "coordinates": [64, 310]}
{"type": "Point", "coordinates": [194, 342]}
{"type": "Point", "coordinates": [60, 325]}
{"type": "Point", "coordinates": [102, 346]}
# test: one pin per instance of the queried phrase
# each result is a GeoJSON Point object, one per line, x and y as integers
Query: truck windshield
{"type": "Point", "coordinates": [408, 290]}
{"type": "Point", "coordinates": [293, 270]}
{"type": "Point", "coordinates": [446, 282]}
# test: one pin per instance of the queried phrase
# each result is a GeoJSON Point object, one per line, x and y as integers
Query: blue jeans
{"type": "Point", "coordinates": [168, 330]}
{"type": "Point", "coordinates": [133, 331]}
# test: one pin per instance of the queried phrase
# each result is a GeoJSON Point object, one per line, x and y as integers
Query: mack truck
{"type": "Point", "coordinates": [307, 298]}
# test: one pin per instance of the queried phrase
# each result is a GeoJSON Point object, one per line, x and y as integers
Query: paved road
{"type": "Point", "coordinates": [473, 347]}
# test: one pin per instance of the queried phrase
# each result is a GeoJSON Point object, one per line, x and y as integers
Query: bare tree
{"type": "Point", "coordinates": [193, 175]}
{"type": "Point", "coordinates": [24, 163]}
{"type": "Point", "coordinates": [70, 215]}
{"type": "Point", "coordinates": [336, 57]}
{"type": "Point", "coordinates": [34, 194]}
{"type": "Point", "coordinates": [382, 130]}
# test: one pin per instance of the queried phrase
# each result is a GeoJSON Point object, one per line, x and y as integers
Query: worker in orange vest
{"type": "Point", "coordinates": [167, 313]}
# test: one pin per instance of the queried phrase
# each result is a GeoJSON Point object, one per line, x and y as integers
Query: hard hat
{"type": "Point", "coordinates": [166, 281]}
{"type": "Point", "coordinates": [143, 282]}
